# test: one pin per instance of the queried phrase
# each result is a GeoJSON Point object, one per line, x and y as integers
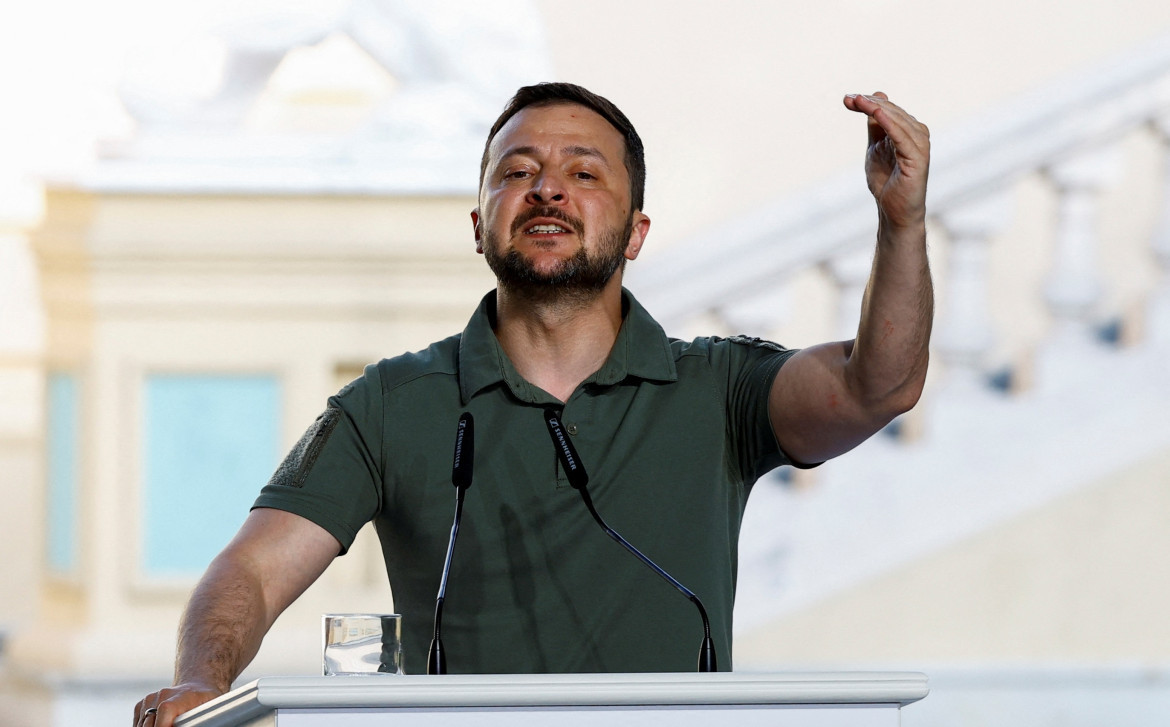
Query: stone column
{"type": "Point", "coordinates": [22, 397]}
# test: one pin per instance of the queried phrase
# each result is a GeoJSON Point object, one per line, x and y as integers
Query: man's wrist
{"type": "Point", "coordinates": [200, 684]}
{"type": "Point", "coordinates": [909, 230]}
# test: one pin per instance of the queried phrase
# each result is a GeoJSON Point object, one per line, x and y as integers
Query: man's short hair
{"type": "Point", "coordinates": [551, 94]}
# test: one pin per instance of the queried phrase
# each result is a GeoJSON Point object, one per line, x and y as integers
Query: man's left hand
{"type": "Point", "coordinates": [897, 159]}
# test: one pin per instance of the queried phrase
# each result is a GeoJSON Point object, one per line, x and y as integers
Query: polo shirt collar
{"type": "Point", "coordinates": [641, 350]}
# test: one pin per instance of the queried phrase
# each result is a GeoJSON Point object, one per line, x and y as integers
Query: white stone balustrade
{"type": "Point", "coordinates": [1069, 132]}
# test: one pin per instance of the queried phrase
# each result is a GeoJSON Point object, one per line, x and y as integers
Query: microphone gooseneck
{"type": "Point", "coordinates": [461, 478]}
{"type": "Point", "coordinates": [579, 480]}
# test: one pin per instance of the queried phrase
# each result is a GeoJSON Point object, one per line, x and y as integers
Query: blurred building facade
{"type": "Point", "coordinates": [181, 311]}
{"type": "Point", "coordinates": [204, 287]}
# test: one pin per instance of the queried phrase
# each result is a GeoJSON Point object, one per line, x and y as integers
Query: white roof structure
{"type": "Point", "coordinates": [418, 129]}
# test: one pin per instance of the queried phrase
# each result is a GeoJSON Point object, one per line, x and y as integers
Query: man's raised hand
{"type": "Point", "coordinates": [897, 159]}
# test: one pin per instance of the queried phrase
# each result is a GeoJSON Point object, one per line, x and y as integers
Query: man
{"type": "Point", "coordinates": [672, 433]}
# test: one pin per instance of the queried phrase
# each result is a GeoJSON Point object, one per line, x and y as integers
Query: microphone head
{"type": "Point", "coordinates": [464, 451]}
{"type": "Point", "coordinates": [571, 463]}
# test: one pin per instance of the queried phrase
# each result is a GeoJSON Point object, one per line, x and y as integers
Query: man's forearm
{"type": "Point", "coordinates": [887, 367]}
{"type": "Point", "coordinates": [222, 627]}
{"type": "Point", "coordinates": [270, 562]}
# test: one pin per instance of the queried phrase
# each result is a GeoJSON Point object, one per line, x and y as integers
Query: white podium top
{"type": "Point", "coordinates": [270, 694]}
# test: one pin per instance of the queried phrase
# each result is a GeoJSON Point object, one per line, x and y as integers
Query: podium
{"type": "Point", "coordinates": [837, 699]}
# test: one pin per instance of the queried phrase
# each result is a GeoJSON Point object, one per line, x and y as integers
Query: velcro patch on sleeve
{"type": "Point", "coordinates": [295, 468]}
{"type": "Point", "coordinates": [756, 342]}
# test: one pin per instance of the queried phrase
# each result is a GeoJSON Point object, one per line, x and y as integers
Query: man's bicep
{"type": "Point", "coordinates": [284, 551]}
{"type": "Point", "coordinates": [813, 414]}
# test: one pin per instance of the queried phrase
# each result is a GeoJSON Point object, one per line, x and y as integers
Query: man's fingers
{"type": "Point", "coordinates": [911, 139]}
{"type": "Point", "coordinates": [892, 120]}
{"type": "Point", "coordinates": [165, 717]}
{"type": "Point", "coordinates": [159, 713]}
{"type": "Point", "coordinates": [141, 718]}
{"type": "Point", "coordinates": [876, 132]}
{"type": "Point", "coordinates": [167, 704]}
{"type": "Point", "coordinates": [897, 124]}
{"type": "Point", "coordinates": [907, 127]}
{"type": "Point", "coordinates": [869, 106]}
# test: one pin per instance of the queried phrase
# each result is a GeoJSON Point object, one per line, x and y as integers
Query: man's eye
{"type": "Point", "coordinates": [584, 175]}
{"type": "Point", "coordinates": [516, 174]}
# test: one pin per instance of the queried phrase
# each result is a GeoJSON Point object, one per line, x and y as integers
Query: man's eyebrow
{"type": "Point", "coordinates": [571, 151]}
{"type": "Point", "coordinates": [584, 151]}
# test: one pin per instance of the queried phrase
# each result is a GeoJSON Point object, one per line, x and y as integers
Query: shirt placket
{"type": "Point", "coordinates": [576, 418]}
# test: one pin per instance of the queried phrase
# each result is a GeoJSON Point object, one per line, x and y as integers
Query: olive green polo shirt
{"type": "Point", "coordinates": [672, 434]}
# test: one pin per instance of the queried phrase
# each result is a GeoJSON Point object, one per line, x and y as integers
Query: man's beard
{"type": "Point", "coordinates": [579, 277]}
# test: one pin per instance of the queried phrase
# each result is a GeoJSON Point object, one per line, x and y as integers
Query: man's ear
{"type": "Point", "coordinates": [478, 232]}
{"type": "Point", "coordinates": [638, 232]}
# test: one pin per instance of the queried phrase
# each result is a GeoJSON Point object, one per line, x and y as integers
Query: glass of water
{"type": "Point", "coordinates": [362, 643]}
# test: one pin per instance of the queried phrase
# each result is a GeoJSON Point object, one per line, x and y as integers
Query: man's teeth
{"type": "Point", "coordinates": [537, 229]}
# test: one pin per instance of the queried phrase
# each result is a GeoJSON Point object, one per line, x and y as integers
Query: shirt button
{"type": "Point", "coordinates": [573, 429]}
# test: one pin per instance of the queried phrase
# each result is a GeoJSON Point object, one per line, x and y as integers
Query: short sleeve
{"type": "Point", "coordinates": [751, 367]}
{"type": "Point", "coordinates": [332, 475]}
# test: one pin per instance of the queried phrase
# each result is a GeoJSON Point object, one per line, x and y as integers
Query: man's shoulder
{"type": "Point", "coordinates": [707, 346]}
{"type": "Point", "coordinates": [440, 358]}
{"type": "Point", "coordinates": [728, 358]}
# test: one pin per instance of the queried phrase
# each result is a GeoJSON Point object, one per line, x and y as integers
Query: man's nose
{"type": "Point", "coordinates": [546, 190]}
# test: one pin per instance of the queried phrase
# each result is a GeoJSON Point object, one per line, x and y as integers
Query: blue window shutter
{"type": "Point", "coordinates": [211, 442]}
{"type": "Point", "coordinates": [62, 473]}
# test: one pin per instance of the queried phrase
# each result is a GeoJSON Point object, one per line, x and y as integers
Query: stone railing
{"type": "Point", "coordinates": [1067, 138]}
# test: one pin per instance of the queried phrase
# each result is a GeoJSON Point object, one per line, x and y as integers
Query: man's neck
{"type": "Point", "coordinates": [557, 344]}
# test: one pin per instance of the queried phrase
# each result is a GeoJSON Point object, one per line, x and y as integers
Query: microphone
{"type": "Point", "coordinates": [461, 478]}
{"type": "Point", "coordinates": [578, 478]}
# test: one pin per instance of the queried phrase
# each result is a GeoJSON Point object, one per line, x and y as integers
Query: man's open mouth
{"type": "Point", "coordinates": [546, 229]}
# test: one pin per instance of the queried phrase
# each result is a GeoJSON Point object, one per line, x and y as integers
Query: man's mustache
{"type": "Point", "coordinates": [552, 213]}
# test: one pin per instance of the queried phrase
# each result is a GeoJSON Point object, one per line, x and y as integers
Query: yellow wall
{"type": "Point", "coordinates": [1078, 581]}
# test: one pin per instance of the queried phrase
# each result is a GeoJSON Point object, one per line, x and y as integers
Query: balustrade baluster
{"type": "Point", "coordinates": [1158, 313]}
{"type": "Point", "coordinates": [1074, 286]}
{"type": "Point", "coordinates": [850, 273]}
{"type": "Point", "coordinates": [965, 334]}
